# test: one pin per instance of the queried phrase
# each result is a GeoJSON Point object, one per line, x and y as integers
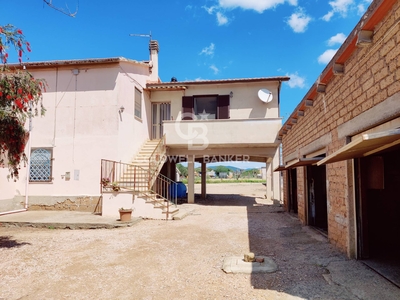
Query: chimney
{"type": "Point", "coordinates": [153, 47]}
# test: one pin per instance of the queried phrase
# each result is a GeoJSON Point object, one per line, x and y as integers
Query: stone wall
{"type": "Point", "coordinates": [79, 203]}
{"type": "Point", "coordinates": [371, 77]}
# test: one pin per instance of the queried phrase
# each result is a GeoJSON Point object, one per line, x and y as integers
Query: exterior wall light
{"type": "Point", "coordinates": [121, 109]}
{"type": "Point", "coordinates": [231, 94]}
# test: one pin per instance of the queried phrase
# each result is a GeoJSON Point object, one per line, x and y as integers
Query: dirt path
{"type": "Point", "coordinates": [183, 259]}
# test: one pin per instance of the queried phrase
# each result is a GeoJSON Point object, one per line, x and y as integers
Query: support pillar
{"type": "Point", "coordinates": [203, 180]}
{"type": "Point", "coordinates": [190, 178]}
{"type": "Point", "coordinates": [269, 181]}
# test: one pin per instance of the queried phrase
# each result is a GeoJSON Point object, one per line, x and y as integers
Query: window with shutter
{"type": "Point", "coordinates": [187, 107]}
{"type": "Point", "coordinates": [138, 103]}
{"type": "Point", "coordinates": [205, 107]}
{"type": "Point", "coordinates": [223, 106]}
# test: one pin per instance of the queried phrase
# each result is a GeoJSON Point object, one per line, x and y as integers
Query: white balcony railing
{"type": "Point", "coordinates": [222, 133]}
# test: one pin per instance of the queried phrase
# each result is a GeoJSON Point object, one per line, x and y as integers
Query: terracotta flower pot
{"type": "Point", "coordinates": [125, 215]}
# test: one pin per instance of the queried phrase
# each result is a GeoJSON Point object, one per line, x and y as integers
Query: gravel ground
{"type": "Point", "coordinates": [183, 259]}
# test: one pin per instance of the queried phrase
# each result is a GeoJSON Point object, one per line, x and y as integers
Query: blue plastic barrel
{"type": "Point", "coordinates": [181, 190]}
{"type": "Point", "coordinates": [177, 189]}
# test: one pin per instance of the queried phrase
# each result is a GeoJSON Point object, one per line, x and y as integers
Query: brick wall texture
{"type": "Point", "coordinates": [372, 74]}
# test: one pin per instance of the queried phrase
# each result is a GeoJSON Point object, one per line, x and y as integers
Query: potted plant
{"type": "Point", "coordinates": [125, 214]}
{"type": "Point", "coordinates": [115, 186]}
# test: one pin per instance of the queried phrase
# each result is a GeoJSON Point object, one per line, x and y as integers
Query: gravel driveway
{"type": "Point", "coordinates": [183, 259]}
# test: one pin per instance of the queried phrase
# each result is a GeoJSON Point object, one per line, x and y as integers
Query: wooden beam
{"type": "Point", "coordinates": [309, 103]}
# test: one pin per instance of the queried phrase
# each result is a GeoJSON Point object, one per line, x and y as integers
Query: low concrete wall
{"type": "Point", "coordinates": [12, 204]}
{"type": "Point", "coordinates": [112, 202]}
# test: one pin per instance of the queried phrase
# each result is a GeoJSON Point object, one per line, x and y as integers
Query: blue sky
{"type": "Point", "coordinates": [203, 39]}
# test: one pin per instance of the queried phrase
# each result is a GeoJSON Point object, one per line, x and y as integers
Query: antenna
{"type": "Point", "coordinates": [141, 35]}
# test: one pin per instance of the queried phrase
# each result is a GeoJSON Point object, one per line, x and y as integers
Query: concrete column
{"type": "Point", "coordinates": [203, 180]}
{"type": "Point", "coordinates": [269, 181]}
{"type": "Point", "coordinates": [190, 178]}
{"type": "Point", "coordinates": [276, 181]}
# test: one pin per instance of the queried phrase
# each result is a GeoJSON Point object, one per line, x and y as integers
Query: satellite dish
{"type": "Point", "coordinates": [265, 95]}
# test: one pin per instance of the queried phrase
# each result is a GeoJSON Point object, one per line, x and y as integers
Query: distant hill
{"type": "Point", "coordinates": [233, 169]}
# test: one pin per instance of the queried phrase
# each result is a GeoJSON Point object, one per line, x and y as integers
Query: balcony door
{"type": "Point", "coordinates": [159, 113]}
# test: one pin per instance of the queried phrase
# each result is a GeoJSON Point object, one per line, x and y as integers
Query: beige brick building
{"type": "Point", "coordinates": [341, 145]}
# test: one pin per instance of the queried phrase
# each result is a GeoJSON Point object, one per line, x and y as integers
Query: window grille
{"type": "Point", "coordinates": [40, 166]}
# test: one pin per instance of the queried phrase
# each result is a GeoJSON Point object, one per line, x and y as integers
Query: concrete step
{"type": "Point", "coordinates": [172, 211]}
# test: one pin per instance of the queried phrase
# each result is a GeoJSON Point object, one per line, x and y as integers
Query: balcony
{"type": "Point", "coordinates": [230, 133]}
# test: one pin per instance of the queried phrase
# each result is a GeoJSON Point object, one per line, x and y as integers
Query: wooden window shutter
{"type": "Point", "coordinates": [223, 106]}
{"type": "Point", "coordinates": [187, 107]}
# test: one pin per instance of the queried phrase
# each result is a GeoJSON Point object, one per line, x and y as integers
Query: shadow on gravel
{"type": "Point", "coordinates": [226, 200]}
{"type": "Point", "coordinates": [7, 242]}
{"type": "Point", "coordinates": [301, 258]}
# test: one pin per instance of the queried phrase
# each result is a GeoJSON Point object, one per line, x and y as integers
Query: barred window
{"type": "Point", "coordinates": [138, 103]}
{"type": "Point", "coordinates": [41, 165]}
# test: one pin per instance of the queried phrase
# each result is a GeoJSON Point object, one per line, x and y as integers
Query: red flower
{"type": "Point", "coordinates": [18, 103]}
{"type": "Point", "coordinates": [19, 91]}
{"type": "Point", "coordinates": [1, 93]}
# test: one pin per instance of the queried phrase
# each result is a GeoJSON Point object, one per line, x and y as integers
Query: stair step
{"type": "Point", "coordinates": [172, 211]}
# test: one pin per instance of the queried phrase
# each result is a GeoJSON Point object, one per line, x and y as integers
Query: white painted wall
{"type": "Point", "coordinates": [82, 125]}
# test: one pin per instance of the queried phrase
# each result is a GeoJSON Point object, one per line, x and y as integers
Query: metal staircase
{"type": "Point", "coordinates": [143, 178]}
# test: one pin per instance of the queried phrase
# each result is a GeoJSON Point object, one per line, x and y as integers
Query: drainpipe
{"type": "Point", "coordinates": [29, 163]}
{"type": "Point", "coordinates": [13, 211]}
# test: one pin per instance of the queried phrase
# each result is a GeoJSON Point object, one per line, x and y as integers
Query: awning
{"type": "Point", "coordinates": [365, 145]}
{"type": "Point", "coordinates": [280, 168]}
{"type": "Point", "coordinates": [300, 162]}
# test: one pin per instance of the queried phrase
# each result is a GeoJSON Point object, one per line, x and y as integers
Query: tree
{"type": "Point", "coordinates": [183, 170]}
{"type": "Point", "coordinates": [221, 169]}
{"type": "Point", "coordinates": [20, 99]}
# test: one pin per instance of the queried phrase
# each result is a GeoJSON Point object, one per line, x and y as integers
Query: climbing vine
{"type": "Point", "coordinates": [20, 99]}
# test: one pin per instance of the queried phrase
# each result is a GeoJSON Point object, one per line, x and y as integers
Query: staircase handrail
{"type": "Point", "coordinates": [112, 173]}
{"type": "Point", "coordinates": [163, 190]}
{"type": "Point", "coordinates": [154, 161]}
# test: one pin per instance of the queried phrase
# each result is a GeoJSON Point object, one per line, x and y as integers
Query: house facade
{"type": "Point", "coordinates": [95, 109]}
{"type": "Point", "coordinates": [341, 144]}
{"type": "Point", "coordinates": [219, 120]}
{"type": "Point", "coordinates": [112, 120]}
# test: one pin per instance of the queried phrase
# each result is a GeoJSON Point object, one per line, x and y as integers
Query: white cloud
{"type": "Point", "coordinates": [337, 39]}
{"type": "Point", "coordinates": [257, 5]}
{"type": "Point", "coordinates": [296, 81]}
{"type": "Point", "coordinates": [326, 57]}
{"type": "Point", "coordinates": [208, 50]}
{"type": "Point", "coordinates": [338, 6]}
{"type": "Point", "coordinates": [299, 21]}
{"type": "Point", "coordinates": [210, 10]}
{"type": "Point", "coordinates": [215, 69]}
{"type": "Point", "coordinates": [222, 19]}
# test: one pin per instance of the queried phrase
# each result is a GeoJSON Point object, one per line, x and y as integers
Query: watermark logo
{"type": "Point", "coordinates": [195, 133]}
